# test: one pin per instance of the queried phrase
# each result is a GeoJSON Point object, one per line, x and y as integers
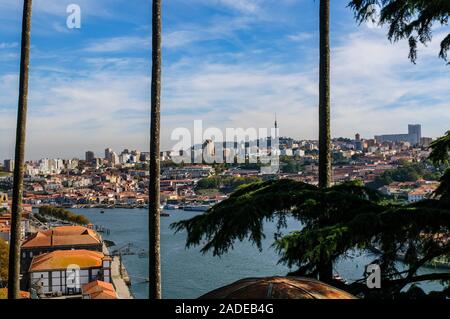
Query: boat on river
{"type": "Point", "coordinates": [196, 208]}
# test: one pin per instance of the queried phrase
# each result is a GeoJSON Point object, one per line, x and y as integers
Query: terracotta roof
{"type": "Point", "coordinates": [278, 288]}
{"type": "Point", "coordinates": [61, 259]}
{"type": "Point", "coordinates": [63, 236]}
{"type": "Point", "coordinates": [104, 295]}
{"type": "Point", "coordinates": [99, 290]}
{"type": "Point", "coordinates": [4, 294]}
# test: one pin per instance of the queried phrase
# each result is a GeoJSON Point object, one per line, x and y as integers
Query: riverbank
{"type": "Point", "coordinates": [119, 279]}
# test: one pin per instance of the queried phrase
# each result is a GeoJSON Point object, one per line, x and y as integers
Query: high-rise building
{"type": "Point", "coordinates": [108, 154]}
{"type": "Point", "coordinates": [115, 159]}
{"type": "Point", "coordinates": [209, 148]}
{"type": "Point", "coordinates": [90, 156]}
{"type": "Point", "coordinates": [8, 165]}
{"type": "Point", "coordinates": [414, 135]}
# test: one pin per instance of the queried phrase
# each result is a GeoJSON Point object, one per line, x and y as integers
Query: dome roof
{"type": "Point", "coordinates": [278, 288]}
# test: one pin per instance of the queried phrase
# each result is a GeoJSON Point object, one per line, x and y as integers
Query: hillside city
{"type": "Point", "coordinates": [396, 165]}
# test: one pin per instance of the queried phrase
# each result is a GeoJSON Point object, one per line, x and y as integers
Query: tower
{"type": "Point", "coordinates": [415, 133]}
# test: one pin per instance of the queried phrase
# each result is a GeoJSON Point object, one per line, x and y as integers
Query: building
{"type": "Point", "coordinates": [115, 159]}
{"type": "Point", "coordinates": [108, 154]}
{"type": "Point", "coordinates": [90, 156]}
{"type": "Point", "coordinates": [426, 141]}
{"type": "Point", "coordinates": [4, 201]}
{"type": "Point", "coordinates": [422, 192]}
{"type": "Point", "coordinates": [8, 165]}
{"type": "Point", "coordinates": [59, 238]}
{"type": "Point", "coordinates": [414, 136]}
{"type": "Point", "coordinates": [358, 142]}
{"type": "Point", "coordinates": [98, 290]}
{"type": "Point", "coordinates": [66, 271]}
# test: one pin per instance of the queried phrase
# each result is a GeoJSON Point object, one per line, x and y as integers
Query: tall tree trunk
{"type": "Point", "coordinates": [325, 171]}
{"type": "Point", "coordinates": [16, 213]}
{"type": "Point", "coordinates": [154, 196]}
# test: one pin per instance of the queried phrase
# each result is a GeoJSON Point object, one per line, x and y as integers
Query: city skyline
{"type": "Point", "coordinates": [109, 152]}
{"type": "Point", "coordinates": [101, 97]}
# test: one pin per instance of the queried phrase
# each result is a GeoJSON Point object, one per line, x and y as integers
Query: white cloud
{"type": "Point", "coordinates": [300, 37]}
{"type": "Point", "coordinates": [118, 44]}
{"type": "Point", "coordinates": [248, 6]}
{"type": "Point", "coordinates": [8, 45]}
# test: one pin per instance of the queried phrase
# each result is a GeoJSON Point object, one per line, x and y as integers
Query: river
{"type": "Point", "coordinates": [187, 273]}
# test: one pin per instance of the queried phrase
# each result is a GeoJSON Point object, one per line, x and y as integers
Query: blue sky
{"type": "Point", "coordinates": [230, 63]}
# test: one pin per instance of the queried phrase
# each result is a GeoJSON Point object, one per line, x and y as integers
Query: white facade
{"type": "Point", "coordinates": [68, 281]}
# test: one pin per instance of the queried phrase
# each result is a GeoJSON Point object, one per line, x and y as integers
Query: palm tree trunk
{"type": "Point", "coordinates": [14, 250]}
{"type": "Point", "coordinates": [154, 196]}
{"type": "Point", "coordinates": [325, 171]}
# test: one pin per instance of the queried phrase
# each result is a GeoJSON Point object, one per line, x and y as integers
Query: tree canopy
{"type": "Point", "coordinates": [407, 19]}
{"type": "Point", "coordinates": [4, 251]}
{"type": "Point", "coordinates": [63, 214]}
{"type": "Point", "coordinates": [332, 222]}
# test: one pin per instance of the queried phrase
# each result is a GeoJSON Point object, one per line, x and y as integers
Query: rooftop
{"type": "Point", "coordinates": [62, 259]}
{"type": "Point", "coordinates": [99, 290]}
{"type": "Point", "coordinates": [63, 236]}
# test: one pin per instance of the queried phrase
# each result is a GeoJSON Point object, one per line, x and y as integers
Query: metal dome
{"type": "Point", "coordinates": [278, 288]}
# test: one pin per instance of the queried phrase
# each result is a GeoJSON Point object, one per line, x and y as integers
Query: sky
{"type": "Point", "coordinates": [229, 63]}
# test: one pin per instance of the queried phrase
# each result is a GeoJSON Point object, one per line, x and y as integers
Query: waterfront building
{"type": "Point", "coordinates": [66, 271]}
{"type": "Point", "coordinates": [59, 238]}
{"type": "Point", "coordinates": [98, 290]}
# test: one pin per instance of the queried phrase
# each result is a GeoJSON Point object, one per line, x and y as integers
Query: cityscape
{"type": "Point", "coordinates": [212, 158]}
{"type": "Point", "coordinates": [120, 180]}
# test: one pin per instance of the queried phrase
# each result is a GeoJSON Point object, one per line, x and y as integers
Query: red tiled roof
{"type": "Point", "coordinates": [63, 236]}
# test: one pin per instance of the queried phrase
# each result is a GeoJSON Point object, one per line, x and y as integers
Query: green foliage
{"type": "Point", "coordinates": [63, 214]}
{"type": "Point", "coordinates": [440, 155]}
{"type": "Point", "coordinates": [40, 218]}
{"type": "Point", "coordinates": [406, 173]}
{"type": "Point", "coordinates": [4, 251]}
{"type": "Point", "coordinates": [440, 149]}
{"type": "Point", "coordinates": [406, 19]}
{"type": "Point", "coordinates": [226, 183]}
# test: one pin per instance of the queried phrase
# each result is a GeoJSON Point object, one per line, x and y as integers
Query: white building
{"type": "Point", "coordinates": [65, 271]}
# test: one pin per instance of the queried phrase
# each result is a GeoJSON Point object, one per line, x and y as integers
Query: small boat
{"type": "Point", "coordinates": [102, 212]}
{"type": "Point", "coordinates": [196, 208]}
{"type": "Point", "coordinates": [171, 207]}
{"type": "Point", "coordinates": [164, 214]}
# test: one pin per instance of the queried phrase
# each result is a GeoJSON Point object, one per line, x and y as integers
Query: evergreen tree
{"type": "Point", "coordinates": [407, 19]}
{"type": "Point", "coordinates": [335, 221]}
